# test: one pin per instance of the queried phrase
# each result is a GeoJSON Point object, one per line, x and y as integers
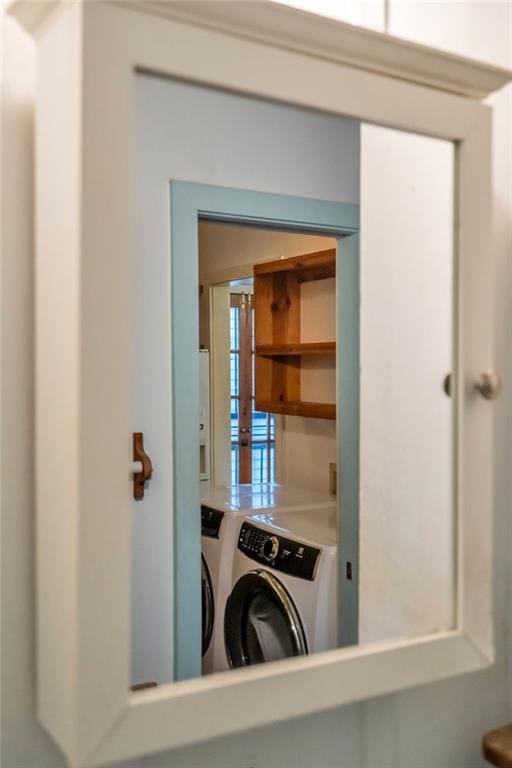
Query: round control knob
{"type": "Point", "coordinates": [270, 548]}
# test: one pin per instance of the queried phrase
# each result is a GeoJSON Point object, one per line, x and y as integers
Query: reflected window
{"type": "Point", "coordinates": [253, 433]}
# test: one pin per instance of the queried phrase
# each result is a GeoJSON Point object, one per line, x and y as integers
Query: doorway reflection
{"type": "Point", "coordinates": [269, 515]}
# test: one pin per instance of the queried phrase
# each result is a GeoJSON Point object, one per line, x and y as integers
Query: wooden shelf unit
{"type": "Point", "coordinates": [299, 408]}
{"type": "Point", "coordinates": [278, 346]}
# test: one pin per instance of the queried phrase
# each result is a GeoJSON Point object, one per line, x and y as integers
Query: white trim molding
{"type": "Point", "coordinates": [88, 53]}
{"type": "Point", "coordinates": [329, 39]}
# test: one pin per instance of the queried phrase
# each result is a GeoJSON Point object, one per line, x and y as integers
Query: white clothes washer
{"type": "Point", "coordinates": [284, 598]}
{"type": "Point", "coordinates": [222, 510]}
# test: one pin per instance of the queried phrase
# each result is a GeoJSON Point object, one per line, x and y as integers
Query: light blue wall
{"type": "Point", "coordinates": [187, 133]}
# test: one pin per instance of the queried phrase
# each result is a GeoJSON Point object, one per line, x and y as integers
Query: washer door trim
{"type": "Point", "coordinates": [208, 605]}
{"type": "Point", "coordinates": [236, 610]}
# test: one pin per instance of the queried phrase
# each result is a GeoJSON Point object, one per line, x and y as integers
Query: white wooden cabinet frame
{"type": "Point", "coordinates": [88, 53]}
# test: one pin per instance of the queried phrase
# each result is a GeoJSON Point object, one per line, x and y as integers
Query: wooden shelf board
{"type": "Point", "coordinates": [318, 261]}
{"type": "Point", "coordinates": [298, 408]}
{"type": "Point", "coordinates": [309, 274]}
{"type": "Point", "coordinates": [281, 350]}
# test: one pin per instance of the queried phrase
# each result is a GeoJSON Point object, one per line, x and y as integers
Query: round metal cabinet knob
{"type": "Point", "coordinates": [489, 385]}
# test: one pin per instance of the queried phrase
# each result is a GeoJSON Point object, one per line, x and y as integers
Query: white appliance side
{"type": "Point", "coordinates": [188, 133]}
{"type": "Point", "coordinates": [204, 417]}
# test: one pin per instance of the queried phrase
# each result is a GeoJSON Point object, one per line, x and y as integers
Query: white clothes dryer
{"type": "Point", "coordinates": [284, 598]}
{"type": "Point", "coordinates": [222, 510]}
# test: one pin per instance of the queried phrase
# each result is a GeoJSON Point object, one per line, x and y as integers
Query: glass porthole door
{"type": "Point", "coordinates": [261, 622]}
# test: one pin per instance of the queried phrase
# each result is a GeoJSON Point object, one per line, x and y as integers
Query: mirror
{"type": "Point", "coordinates": [284, 565]}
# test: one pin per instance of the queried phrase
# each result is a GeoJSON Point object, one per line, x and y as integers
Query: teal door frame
{"type": "Point", "coordinates": [189, 203]}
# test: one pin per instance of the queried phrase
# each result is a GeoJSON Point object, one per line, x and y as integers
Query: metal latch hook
{"type": "Point", "coordinates": [143, 468]}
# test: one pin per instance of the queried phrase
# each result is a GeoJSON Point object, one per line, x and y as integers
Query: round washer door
{"type": "Point", "coordinates": [261, 622]}
{"type": "Point", "coordinates": [207, 605]}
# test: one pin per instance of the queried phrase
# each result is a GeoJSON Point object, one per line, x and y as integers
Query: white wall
{"type": "Point", "coordinates": [199, 135]}
{"type": "Point", "coordinates": [24, 744]}
{"type": "Point", "coordinates": [367, 13]}
{"type": "Point", "coordinates": [437, 726]}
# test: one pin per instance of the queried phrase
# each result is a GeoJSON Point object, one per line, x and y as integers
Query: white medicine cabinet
{"type": "Point", "coordinates": [159, 123]}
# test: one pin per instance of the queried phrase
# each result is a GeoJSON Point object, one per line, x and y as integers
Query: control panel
{"type": "Point", "coordinates": [211, 520]}
{"type": "Point", "coordinates": [278, 552]}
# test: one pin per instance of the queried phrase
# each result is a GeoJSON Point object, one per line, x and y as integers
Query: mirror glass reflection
{"type": "Point", "coordinates": [273, 566]}
{"type": "Point", "coordinates": [269, 519]}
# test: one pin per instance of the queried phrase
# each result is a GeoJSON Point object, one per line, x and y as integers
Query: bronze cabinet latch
{"type": "Point", "coordinates": [145, 468]}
